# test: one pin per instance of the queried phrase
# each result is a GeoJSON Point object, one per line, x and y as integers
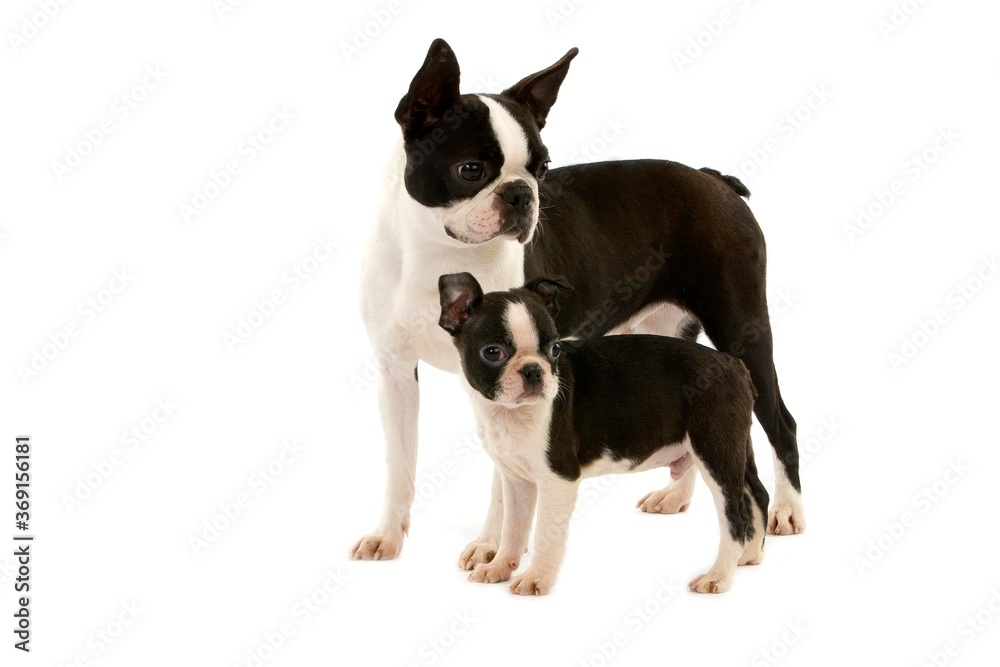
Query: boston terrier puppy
{"type": "Point", "coordinates": [555, 412]}
{"type": "Point", "coordinates": [650, 246]}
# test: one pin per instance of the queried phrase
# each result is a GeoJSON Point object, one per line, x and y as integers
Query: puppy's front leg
{"type": "Point", "coordinates": [518, 509]}
{"type": "Point", "coordinates": [484, 548]}
{"type": "Point", "coordinates": [556, 497]}
{"type": "Point", "coordinates": [399, 404]}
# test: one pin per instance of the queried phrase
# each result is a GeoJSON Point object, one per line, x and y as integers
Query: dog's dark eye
{"type": "Point", "coordinates": [471, 171]}
{"type": "Point", "coordinates": [544, 169]}
{"type": "Point", "coordinates": [555, 350]}
{"type": "Point", "coordinates": [493, 354]}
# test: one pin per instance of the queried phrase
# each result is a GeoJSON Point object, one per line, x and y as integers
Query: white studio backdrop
{"type": "Point", "coordinates": [185, 194]}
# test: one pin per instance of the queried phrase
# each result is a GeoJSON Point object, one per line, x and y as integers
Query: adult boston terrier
{"type": "Point", "coordinates": [553, 413]}
{"type": "Point", "coordinates": [650, 246]}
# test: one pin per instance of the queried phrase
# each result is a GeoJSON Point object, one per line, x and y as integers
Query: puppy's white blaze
{"type": "Point", "coordinates": [522, 330]}
{"type": "Point", "coordinates": [524, 336]}
{"type": "Point", "coordinates": [511, 137]}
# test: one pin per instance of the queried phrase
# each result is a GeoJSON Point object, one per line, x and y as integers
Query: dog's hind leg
{"type": "Point", "coordinates": [748, 336]}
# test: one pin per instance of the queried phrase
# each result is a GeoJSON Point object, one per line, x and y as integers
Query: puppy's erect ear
{"type": "Point", "coordinates": [460, 294]}
{"type": "Point", "coordinates": [537, 92]}
{"type": "Point", "coordinates": [432, 92]}
{"type": "Point", "coordinates": [548, 289]}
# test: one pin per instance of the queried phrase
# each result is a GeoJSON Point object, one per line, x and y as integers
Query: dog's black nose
{"type": "Point", "coordinates": [518, 194]}
{"type": "Point", "coordinates": [532, 374]}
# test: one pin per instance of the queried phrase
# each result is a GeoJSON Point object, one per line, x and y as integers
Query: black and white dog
{"type": "Point", "coordinates": [553, 413]}
{"type": "Point", "coordinates": [649, 246]}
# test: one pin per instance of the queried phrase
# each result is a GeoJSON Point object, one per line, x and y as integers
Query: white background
{"type": "Point", "coordinates": [891, 431]}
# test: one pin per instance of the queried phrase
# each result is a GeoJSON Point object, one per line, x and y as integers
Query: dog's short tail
{"type": "Point", "coordinates": [735, 184]}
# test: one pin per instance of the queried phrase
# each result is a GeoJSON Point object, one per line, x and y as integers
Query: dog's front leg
{"type": "Point", "coordinates": [556, 497]}
{"type": "Point", "coordinates": [518, 510]}
{"type": "Point", "coordinates": [399, 403]}
{"type": "Point", "coordinates": [484, 548]}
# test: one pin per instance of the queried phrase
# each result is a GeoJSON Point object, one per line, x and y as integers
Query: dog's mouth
{"type": "Point", "coordinates": [529, 397]}
{"type": "Point", "coordinates": [518, 230]}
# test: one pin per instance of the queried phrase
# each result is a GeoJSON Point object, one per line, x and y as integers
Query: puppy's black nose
{"type": "Point", "coordinates": [518, 194]}
{"type": "Point", "coordinates": [532, 374]}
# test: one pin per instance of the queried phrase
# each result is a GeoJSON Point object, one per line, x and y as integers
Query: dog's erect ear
{"type": "Point", "coordinates": [432, 92]}
{"type": "Point", "coordinates": [538, 91]}
{"type": "Point", "coordinates": [460, 294]}
{"type": "Point", "coordinates": [548, 289]}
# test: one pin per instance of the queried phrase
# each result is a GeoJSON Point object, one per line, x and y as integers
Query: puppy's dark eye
{"type": "Point", "coordinates": [555, 350]}
{"type": "Point", "coordinates": [471, 171]}
{"type": "Point", "coordinates": [544, 169]}
{"type": "Point", "coordinates": [493, 354]}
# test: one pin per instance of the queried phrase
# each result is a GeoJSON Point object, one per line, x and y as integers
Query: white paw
{"type": "Point", "coordinates": [753, 554]}
{"type": "Point", "coordinates": [477, 552]}
{"type": "Point", "coordinates": [532, 583]}
{"type": "Point", "coordinates": [493, 572]}
{"type": "Point", "coordinates": [670, 500]}
{"type": "Point", "coordinates": [378, 547]}
{"type": "Point", "coordinates": [786, 518]}
{"type": "Point", "coordinates": [711, 582]}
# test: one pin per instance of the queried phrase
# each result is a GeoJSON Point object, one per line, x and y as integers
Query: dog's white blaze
{"type": "Point", "coordinates": [522, 330]}
{"type": "Point", "coordinates": [510, 135]}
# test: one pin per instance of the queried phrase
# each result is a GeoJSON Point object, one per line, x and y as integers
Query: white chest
{"type": "Point", "coordinates": [516, 440]}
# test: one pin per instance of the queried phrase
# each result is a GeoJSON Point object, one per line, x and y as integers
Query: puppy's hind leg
{"type": "Point", "coordinates": [722, 453]}
{"type": "Point", "coordinates": [674, 498]}
{"type": "Point", "coordinates": [728, 496]}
